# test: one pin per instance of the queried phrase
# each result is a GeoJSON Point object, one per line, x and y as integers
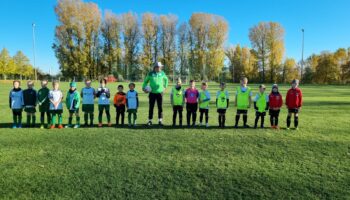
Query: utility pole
{"type": "Point", "coordinates": [302, 55]}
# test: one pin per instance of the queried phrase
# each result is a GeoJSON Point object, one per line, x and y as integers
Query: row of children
{"type": "Point", "coordinates": [243, 100]}
{"type": "Point", "coordinates": [50, 104]}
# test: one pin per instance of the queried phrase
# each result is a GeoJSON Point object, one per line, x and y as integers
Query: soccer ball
{"type": "Point", "coordinates": [148, 89]}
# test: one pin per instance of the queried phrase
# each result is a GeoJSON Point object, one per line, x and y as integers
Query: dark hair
{"type": "Point", "coordinates": [103, 80]}
{"type": "Point", "coordinates": [131, 84]}
{"type": "Point", "coordinates": [191, 81]}
{"type": "Point", "coordinates": [120, 86]}
{"type": "Point", "coordinates": [204, 83]}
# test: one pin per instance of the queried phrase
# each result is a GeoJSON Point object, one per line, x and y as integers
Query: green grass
{"type": "Point", "coordinates": [152, 163]}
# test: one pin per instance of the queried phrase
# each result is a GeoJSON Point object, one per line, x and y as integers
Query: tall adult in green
{"type": "Point", "coordinates": [158, 82]}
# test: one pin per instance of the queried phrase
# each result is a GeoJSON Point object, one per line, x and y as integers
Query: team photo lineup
{"type": "Point", "coordinates": [50, 103]}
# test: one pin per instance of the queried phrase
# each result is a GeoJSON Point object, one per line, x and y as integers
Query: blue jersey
{"type": "Point", "coordinates": [16, 99]}
{"type": "Point", "coordinates": [132, 99]}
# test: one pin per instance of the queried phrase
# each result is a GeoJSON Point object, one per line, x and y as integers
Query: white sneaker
{"type": "Point", "coordinates": [207, 125]}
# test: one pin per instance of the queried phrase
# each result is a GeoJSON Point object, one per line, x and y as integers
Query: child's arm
{"type": "Point", "coordinates": [127, 102]}
{"type": "Point", "coordinates": [137, 100]}
{"type": "Point", "coordinates": [78, 99]}
{"type": "Point", "coordinates": [36, 97]}
{"type": "Point", "coordinates": [115, 100]}
{"type": "Point", "coordinates": [108, 94]}
{"type": "Point", "coordinates": [10, 100]}
{"type": "Point", "coordinates": [166, 82]}
{"type": "Point", "coordinates": [300, 100]}
{"type": "Point", "coordinates": [171, 99]}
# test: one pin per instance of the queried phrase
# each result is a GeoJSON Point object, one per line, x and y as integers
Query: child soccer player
{"type": "Point", "coordinates": [275, 103]}
{"type": "Point", "coordinates": [30, 99]}
{"type": "Point", "coordinates": [103, 95]}
{"type": "Point", "coordinates": [132, 103]}
{"type": "Point", "coordinates": [16, 104]}
{"type": "Point", "coordinates": [73, 104]}
{"type": "Point", "coordinates": [177, 100]}
{"type": "Point", "coordinates": [294, 101]}
{"type": "Point", "coordinates": [222, 103]}
{"type": "Point", "coordinates": [243, 102]}
{"type": "Point", "coordinates": [56, 108]}
{"type": "Point", "coordinates": [119, 104]}
{"type": "Point", "coordinates": [88, 95]}
{"type": "Point", "coordinates": [261, 105]}
{"type": "Point", "coordinates": [204, 99]}
{"type": "Point", "coordinates": [44, 104]}
{"type": "Point", "coordinates": [191, 97]}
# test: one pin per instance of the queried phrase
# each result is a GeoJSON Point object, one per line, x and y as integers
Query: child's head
{"type": "Point", "coordinates": [295, 83]}
{"type": "Point", "coordinates": [103, 82]}
{"type": "Point", "coordinates": [120, 88]}
{"type": "Point", "coordinates": [274, 88]}
{"type": "Point", "coordinates": [192, 84]}
{"type": "Point", "coordinates": [88, 83]}
{"type": "Point", "coordinates": [179, 82]}
{"type": "Point", "coordinates": [262, 88]}
{"type": "Point", "coordinates": [55, 85]}
{"type": "Point", "coordinates": [131, 86]}
{"type": "Point", "coordinates": [222, 85]}
{"type": "Point", "coordinates": [30, 84]}
{"type": "Point", "coordinates": [204, 85]}
{"type": "Point", "coordinates": [73, 85]}
{"type": "Point", "coordinates": [16, 84]}
{"type": "Point", "coordinates": [44, 83]}
{"type": "Point", "coordinates": [244, 81]}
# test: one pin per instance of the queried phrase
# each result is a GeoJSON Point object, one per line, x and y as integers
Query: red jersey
{"type": "Point", "coordinates": [294, 98]}
{"type": "Point", "coordinates": [275, 100]}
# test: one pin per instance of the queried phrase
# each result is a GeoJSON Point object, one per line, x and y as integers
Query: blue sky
{"type": "Point", "coordinates": [326, 22]}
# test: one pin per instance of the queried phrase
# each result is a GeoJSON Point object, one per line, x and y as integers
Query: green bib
{"type": "Point", "coordinates": [261, 102]}
{"type": "Point", "coordinates": [222, 100]}
{"type": "Point", "coordinates": [243, 99]}
{"type": "Point", "coordinates": [178, 97]}
{"type": "Point", "coordinates": [202, 97]}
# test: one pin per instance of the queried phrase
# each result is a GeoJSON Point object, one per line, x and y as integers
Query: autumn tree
{"type": "Point", "coordinates": [168, 24]}
{"type": "Point", "coordinates": [268, 44]}
{"type": "Point", "coordinates": [327, 70]}
{"type": "Point", "coordinates": [112, 44]}
{"type": "Point", "coordinates": [131, 33]}
{"type": "Point", "coordinates": [289, 70]}
{"type": "Point", "coordinates": [76, 38]}
{"type": "Point", "coordinates": [183, 48]}
{"type": "Point", "coordinates": [150, 40]}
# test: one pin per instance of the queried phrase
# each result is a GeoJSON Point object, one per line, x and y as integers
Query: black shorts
{"type": "Point", "coordinates": [244, 112]}
{"type": "Point", "coordinates": [192, 107]}
{"type": "Point", "coordinates": [221, 111]}
{"type": "Point", "coordinates": [293, 110]}
{"type": "Point", "coordinates": [263, 114]}
{"type": "Point", "coordinates": [274, 112]}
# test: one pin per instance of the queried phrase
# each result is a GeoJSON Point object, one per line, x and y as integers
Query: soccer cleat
{"type": "Point", "coordinates": [60, 126]}
{"type": "Point", "coordinates": [100, 125]}
{"type": "Point", "coordinates": [246, 126]}
{"type": "Point", "coordinates": [19, 126]}
{"type": "Point", "coordinates": [52, 127]}
{"type": "Point", "coordinates": [109, 124]}
{"type": "Point", "coordinates": [207, 125]}
{"type": "Point", "coordinates": [42, 127]}
{"type": "Point", "coordinates": [68, 126]}
{"type": "Point", "coordinates": [235, 126]}
{"type": "Point", "coordinates": [77, 126]}
{"type": "Point", "coordinates": [287, 128]}
{"type": "Point", "coordinates": [149, 123]}
{"type": "Point", "coordinates": [14, 126]}
{"type": "Point", "coordinates": [160, 123]}
{"type": "Point", "coordinates": [200, 124]}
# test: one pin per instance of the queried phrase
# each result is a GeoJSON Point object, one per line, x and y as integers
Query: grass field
{"type": "Point", "coordinates": [153, 163]}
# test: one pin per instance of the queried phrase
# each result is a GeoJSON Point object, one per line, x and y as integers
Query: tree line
{"type": "Point", "coordinates": [92, 44]}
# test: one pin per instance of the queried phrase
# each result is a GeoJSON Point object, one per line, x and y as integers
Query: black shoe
{"type": "Point", "coordinates": [235, 126]}
{"type": "Point", "coordinates": [262, 127]}
{"type": "Point", "coordinates": [255, 127]}
{"type": "Point", "coordinates": [160, 123]}
{"type": "Point", "coordinates": [246, 126]}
